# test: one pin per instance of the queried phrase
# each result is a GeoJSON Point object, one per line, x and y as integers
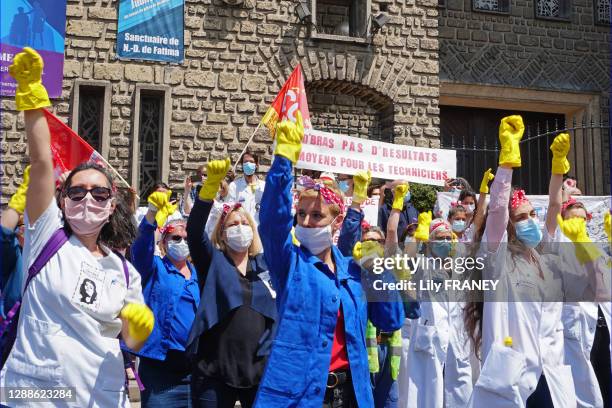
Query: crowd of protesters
{"type": "Point", "coordinates": [236, 291]}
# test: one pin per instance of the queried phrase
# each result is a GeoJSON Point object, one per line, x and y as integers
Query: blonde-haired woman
{"type": "Point", "coordinates": [234, 325]}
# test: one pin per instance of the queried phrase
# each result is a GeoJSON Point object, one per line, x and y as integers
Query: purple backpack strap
{"type": "Point", "coordinates": [56, 241]}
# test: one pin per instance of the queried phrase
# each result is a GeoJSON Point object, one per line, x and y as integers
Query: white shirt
{"type": "Point", "coordinates": [249, 196]}
{"type": "Point", "coordinates": [69, 321]}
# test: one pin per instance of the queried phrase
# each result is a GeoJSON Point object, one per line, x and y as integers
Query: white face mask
{"type": "Point", "coordinates": [470, 208]}
{"type": "Point", "coordinates": [316, 240]}
{"type": "Point", "coordinates": [239, 237]}
{"type": "Point", "coordinates": [178, 251]}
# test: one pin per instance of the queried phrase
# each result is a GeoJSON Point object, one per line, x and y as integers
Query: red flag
{"type": "Point", "coordinates": [291, 98]}
{"type": "Point", "coordinates": [68, 149]}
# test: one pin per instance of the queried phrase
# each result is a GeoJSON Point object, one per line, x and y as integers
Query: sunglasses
{"type": "Point", "coordinates": [175, 238]}
{"type": "Point", "coordinates": [98, 193]}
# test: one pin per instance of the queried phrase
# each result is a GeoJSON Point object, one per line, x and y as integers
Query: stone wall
{"type": "Point", "coordinates": [521, 51]}
{"type": "Point", "coordinates": [236, 60]}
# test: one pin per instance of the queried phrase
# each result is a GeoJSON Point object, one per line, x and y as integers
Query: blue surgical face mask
{"type": "Point", "coordinates": [458, 225]}
{"type": "Point", "coordinates": [455, 190]}
{"type": "Point", "coordinates": [249, 168]}
{"type": "Point", "coordinates": [343, 185]}
{"type": "Point", "coordinates": [529, 232]}
{"type": "Point", "coordinates": [441, 248]}
{"type": "Point", "coordinates": [407, 198]}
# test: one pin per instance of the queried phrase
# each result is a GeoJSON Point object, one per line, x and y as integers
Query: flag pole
{"type": "Point", "coordinates": [246, 146]}
{"type": "Point", "coordinates": [99, 156]}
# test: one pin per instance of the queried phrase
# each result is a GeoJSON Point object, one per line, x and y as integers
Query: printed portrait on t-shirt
{"type": "Point", "coordinates": [88, 291]}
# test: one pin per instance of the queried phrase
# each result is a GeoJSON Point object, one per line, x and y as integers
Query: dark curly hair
{"type": "Point", "coordinates": [120, 230]}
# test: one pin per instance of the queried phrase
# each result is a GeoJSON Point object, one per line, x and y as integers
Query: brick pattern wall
{"type": "Point", "coordinates": [519, 50]}
{"type": "Point", "coordinates": [236, 60]}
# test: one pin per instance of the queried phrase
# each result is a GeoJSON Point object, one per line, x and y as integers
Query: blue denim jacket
{"type": "Point", "coordinates": [308, 298]}
{"type": "Point", "coordinates": [11, 275]}
{"type": "Point", "coordinates": [162, 285]}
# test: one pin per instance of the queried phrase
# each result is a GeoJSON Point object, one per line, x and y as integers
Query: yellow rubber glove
{"type": "Point", "coordinates": [608, 225]}
{"type": "Point", "coordinates": [289, 138]}
{"type": "Point", "coordinates": [18, 200]}
{"type": "Point", "coordinates": [140, 320]}
{"type": "Point", "coordinates": [366, 249]}
{"type": "Point", "coordinates": [399, 193]}
{"type": "Point", "coordinates": [27, 68]}
{"type": "Point", "coordinates": [422, 230]}
{"type": "Point", "coordinates": [486, 179]}
{"type": "Point", "coordinates": [510, 133]}
{"type": "Point", "coordinates": [215, 172]}
{"type": "Point", "coordinates": [160, 201]}
{"type": "Point", "coordinates": [361, 181]}
{"type": "Point", "coordinates": [575, 230]}
{"type": "Point", "coordinates": [560, 148]}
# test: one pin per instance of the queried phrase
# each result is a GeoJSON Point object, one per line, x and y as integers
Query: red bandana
{"type": "Point", "coordinates": [518, 198]}
{"type": "Point", "coordinates": [328, 194]}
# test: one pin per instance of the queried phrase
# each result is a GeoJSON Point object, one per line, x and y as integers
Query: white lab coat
{"type": "Point", "coordinates": [249, 196]}
{"type": "Point", "coordinates": [579, 325]}
{"type": "Point", "coordinates": [439, 371]}
{"type": "Point", "coordinates": [528, 309]}
{"type": "Point", "coordinates": [68, 324]}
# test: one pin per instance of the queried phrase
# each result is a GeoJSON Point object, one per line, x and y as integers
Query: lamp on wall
{"type": "Point", "coordinates": [379, 21]}
{"type": "Point", "coordinates": [303, 12]}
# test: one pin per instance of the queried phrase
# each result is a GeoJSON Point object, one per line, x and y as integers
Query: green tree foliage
{"type": "Point", "coordinates": [423, 196]}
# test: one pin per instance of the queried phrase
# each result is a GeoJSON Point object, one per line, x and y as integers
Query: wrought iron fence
{"type": "Point", "coordinates": [589, 155]}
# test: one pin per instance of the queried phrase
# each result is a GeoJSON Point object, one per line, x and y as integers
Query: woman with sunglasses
{"type": "Point", "coordinates": [319, 355]}
{"type": "Point", "coordinates": [234, 325]}
{"type": "Point", "coordinates": [171, 290]}
{"type": "Point", "coordinates": [63, 341]}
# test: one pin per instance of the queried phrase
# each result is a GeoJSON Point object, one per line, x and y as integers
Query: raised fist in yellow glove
{"type": "Point", "coordinates": [215, 172]}
{"type": "Point", "coordinates": [27, 68]}
{"type": "Point", "coordinates": [289, 138]}
{"type": "Point", "coordinates": [608, 225]}
{"type": "Point", "coordinates": [575, 230]}
{"type": "Point", "coordinates": [18, 200]}
{"type": "Point", "coordinates": [361, 181]}
{"type": "Point", "coordinates": [140, 320]}
{"type": "Point", "coordinates": [159, 202]}
{"type": "Point", "coordinates": [510, 133]}
{"type": "Point", "coordinates": [399, 193]}
{"type": "Point", "coordinates": [486, 179]}
{"type": "Point", "coordinates": [368, 249]}
{"type": "Point", "coordinates": [560, 148]}
{"type": "Point", "coordinates": [422, 231]}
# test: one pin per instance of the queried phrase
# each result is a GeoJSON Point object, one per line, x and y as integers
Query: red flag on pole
{"type": "Point", "coordinates": [291, 98]}
{"type": "Point", "coordinates": [69, 149]}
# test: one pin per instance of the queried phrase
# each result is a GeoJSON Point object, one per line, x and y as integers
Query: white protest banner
{"type": "Point", "coordinates": [596, 205]}
{"type": "Point", "coordinates": [335, 153]}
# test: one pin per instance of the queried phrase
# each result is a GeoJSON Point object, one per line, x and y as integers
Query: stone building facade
{"type": "Point", "coordinates": [530, 56]}
{"type": "Point", "coordinates": [161, 121]}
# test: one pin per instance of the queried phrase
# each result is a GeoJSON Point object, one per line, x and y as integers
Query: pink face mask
{"type": "Point", "coordinates": [88, 216]}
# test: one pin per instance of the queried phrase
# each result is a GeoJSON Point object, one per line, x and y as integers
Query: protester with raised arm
{"type": "Point", "coordinates": [235, 322]}
{"type": "Point", "coordinates": [84, 295]}
{"type": "Point", "coordinates": [319, 355]}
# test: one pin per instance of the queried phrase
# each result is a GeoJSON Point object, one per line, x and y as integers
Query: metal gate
{"type": "Point", "coordinates": [589, 157]}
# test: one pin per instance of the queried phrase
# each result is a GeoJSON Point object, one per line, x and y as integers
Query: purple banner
{"type": "Point", "coordinates": [40, 24]}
